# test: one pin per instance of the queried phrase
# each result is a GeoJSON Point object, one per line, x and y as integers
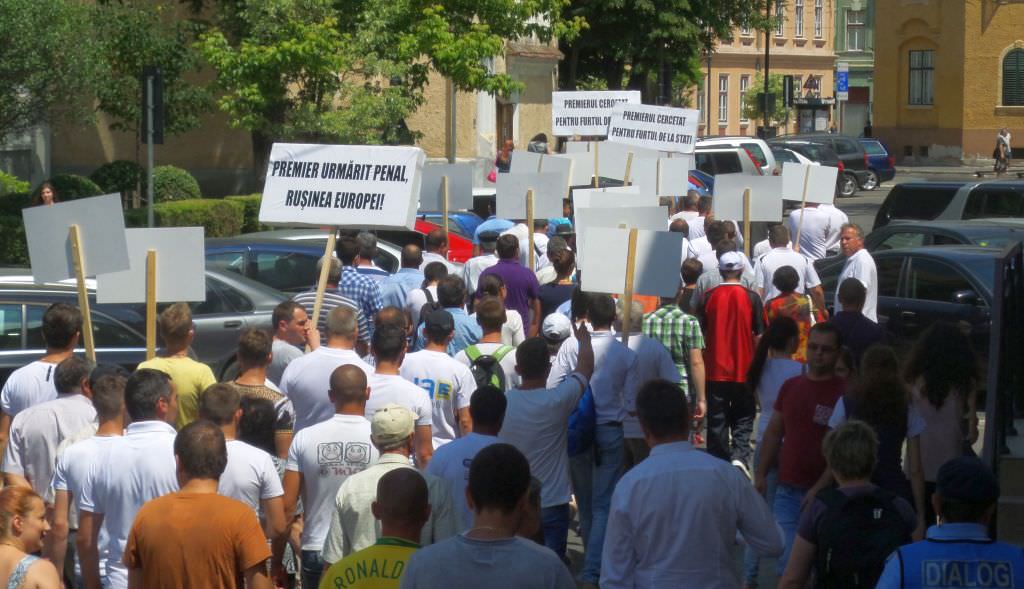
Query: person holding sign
{"type": "Point", "coordinates": [813, 226]}
{"type": "Point", "coordinates": [361, 289]}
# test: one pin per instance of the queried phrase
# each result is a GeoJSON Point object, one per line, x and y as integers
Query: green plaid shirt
{"type": "Point", "coordinates": [679, 332]}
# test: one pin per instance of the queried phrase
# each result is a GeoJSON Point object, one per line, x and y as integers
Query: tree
{"type": "Point", "coordinates": [48, 63]}
{"type": "Point", "coordinates": [754, 110]}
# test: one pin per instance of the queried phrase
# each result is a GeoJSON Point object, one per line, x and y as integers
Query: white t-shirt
{"type": "Point", "coordinates": [74, 463]}
{"type": "Point", "coordinates": [761, 248]}
{"type": "Point", "coordinates": [508, 362]}
{"type": "Point", "coordinates": [448, 383]}
{"type": "Point", "coordinates": [307, 379]}
{"type": "Point", "coordinates": [685, 216]}
{"type": "Point", "coordinates": [390, 388]}
{"type": "Point", "coordinates": [37, 431]}
{"type": "Point", "coordinates": [915, 421]}
{"type": "Point", "coordinates": [429, 257]}
{"type": "Point", "coordinates": [250, 475]}
{"type": "Point", "coordinates": [700, 246]}
{"type": "Point", "coordinates": [451, 463]}
{"type": "Point", "coordinates": [696, 226]}
{"type": "Point", "coordinates": [776, 371]}
{"type": "Point", "coordinates": [862, 267]}
{"type": "Point", "coordinates": [837, 219]}
{"type": "Point", "coordinates": [473, 267]}
{"type": "Point", "coordinates": [653, 361]}
{"type": "Point", "coordinates": [414, 301]}
{"type": "Point", "coordinates": [27, 386]}
{"type": "Point", "coordinates": [512, 331]}
{"type": "Point", "coordinates": [536, 422]}
{"type": "Point", "coordinates": [817, 226]}
{"type": "Point", "coordinates": [283, 354]}
{"type": "Point", "coordinates": [326, 454]}
{"type": "Point", "coordinates": [765, 267]}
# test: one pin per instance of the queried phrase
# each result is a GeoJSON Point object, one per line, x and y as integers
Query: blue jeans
{"type": "Point", "coordinates": [786, 509]}
{"type": "Point", "coordinates": [555, 524]}
{"type": "Point", "coordinates": [609, 453]}
{"type": "Point", "coordinates": [751, 561]}
{"type": "Point", "coordinates": [312, 568]}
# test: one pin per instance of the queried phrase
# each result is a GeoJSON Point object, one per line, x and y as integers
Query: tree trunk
{"type": "Point", "coordinates": [261, 144]}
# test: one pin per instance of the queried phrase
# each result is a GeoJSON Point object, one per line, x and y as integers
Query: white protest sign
{"type": "Point", "coordinates": [524, 162]}
{"type": "Point", "coordinates": [620, 196]}
{"type": "Point", "coordinates": [612, 158]}
{"type": "Point", "coordinates": [821, 182]}
{"type": "Point", "coordinates": [656, 270]}
{"type": "Point", "coordinates": [662, 176]}
{"type": "Point", "coordinates": [587, 112]}
{"type": "Point", "coordinates": [460, 186]}
{"type": "Point", "coordinates": [369, 186]}
{"type": "Point", "coordinates": [577, 146]}
{"type": "Point", "coordinates": [548, 192]}
{"type": "Point", "coordinates": [100, 222]}
{"type": "Point", "coordinates": [654, 127]}
{"type": "Point", "coordinates": [180, 267]}
{"type": "Point", "coordinates": [765, 197]}
{"type": "Point", "coordinates": [582, 166]}
{"type": "Point", "coordinates": [651, 218]}
{"type": "Point", "coordinates": [550, 164]}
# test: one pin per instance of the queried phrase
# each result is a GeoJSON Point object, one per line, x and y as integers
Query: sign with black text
{"type": "Point", "coordinates": [587, 112]}
{"type": "Point", "coordinates": [654, 127]}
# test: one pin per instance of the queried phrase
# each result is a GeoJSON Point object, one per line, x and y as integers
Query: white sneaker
{"type": "Point", "coordinates": [743, 468]}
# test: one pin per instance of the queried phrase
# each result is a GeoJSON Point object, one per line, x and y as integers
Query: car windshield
{"type": "Point", "coordinates": [874, 148]}
{"type": "Point", "coordinates": [814, 152]}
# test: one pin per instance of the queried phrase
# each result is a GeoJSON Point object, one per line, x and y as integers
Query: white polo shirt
{"type": "Point", "coordinates": [74, 463]}
{"type": "Point", "coordinates": [448, 383]}
{"type": "Point", "coordinates": [307, 379]}
{"type": "Point", "coordinates": [326, 454]}
{"type": "Point", "coordinates": [451, 463]}
{"type": "Point", "coordinates": [817, 227]}
{"type": "Point", "coordinates": [862, 267]}
{"type": "Point", "coordinates": [37, 431]}
{"type": "Point", "coordinates": [653, 361]}
{"type": "Point", "coordinates": [615, 376]}
{"type": "Point", "coordinates": [137, 467]}
{"type": "Point", "coordinates": [765, 267]}
{"type": "Point", "coordinates": [250, 475]}
{"type": "Point", "coordinates": [27, 386]}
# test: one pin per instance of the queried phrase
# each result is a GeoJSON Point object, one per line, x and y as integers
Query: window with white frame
{"type": "Point", "coordinates": [819, 18]}
{"type": "Point", "coordinates": [921, 79]}
{"type": "Point", "coordinates": [855, 30]}
{"type": "Point", "coordinates": [780, 19]}
{"type": "Point", "coordinates": [745, 31]}
{"type": "Point", "coordinates": [798, 86]}
{"type": "Point", "coordinates": [798, 21]}
{"type": "Point", "coordinates": [723, 98]}
{"type": "Point", "coordinates": [744, 85]}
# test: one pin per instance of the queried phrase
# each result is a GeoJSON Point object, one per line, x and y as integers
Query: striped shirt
{"type": "Point", "coordinates": [331, 300]}
{"type": "Point", "coordinates": [679, 332]}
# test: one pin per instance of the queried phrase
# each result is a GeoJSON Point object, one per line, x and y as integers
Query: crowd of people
{"type": "Point", "coordinates": [441, 428]}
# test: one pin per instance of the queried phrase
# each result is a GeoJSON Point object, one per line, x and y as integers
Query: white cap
{"type": "Point", "coordinates": [730, 261]}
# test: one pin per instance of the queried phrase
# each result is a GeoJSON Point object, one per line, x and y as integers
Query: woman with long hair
{"type": "Point", "coordinates": [880, 398]}
{"type": "Point", "coordinates": [943, 374]}
{"type": "Point", "coordinates": [46, 194]}
{"type": "Point", "coordinates": [23, 527]}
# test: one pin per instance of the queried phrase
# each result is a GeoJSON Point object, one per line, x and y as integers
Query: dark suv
{"type": "Point", "coordinates": [821, 154]}
{"type": "Point", "coordinates": [856, 168]}
{"type": "Point", "coordinates": [952, 201]}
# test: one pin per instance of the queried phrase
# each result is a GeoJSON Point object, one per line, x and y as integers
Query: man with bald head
{"type": "Point", "coordinates": [322, 457]}
{"type": "Point", "coordinates": [681, 226]}
{"type": "Point", "coordinates": [395, 289]}
{"type": "Point", "coordinates": [401, 507]}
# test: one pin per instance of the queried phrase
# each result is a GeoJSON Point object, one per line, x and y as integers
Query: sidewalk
{"type": "Point", "coordinates": [959, 170]}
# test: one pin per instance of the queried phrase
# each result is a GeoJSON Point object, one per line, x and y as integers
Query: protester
{"type": "Point", "coordinates": [942, 370]}
{"type": "Point", "coordinates": [704, 246]}
{"type": "Point", "coordinates": [362, 290]}
{"type": "Point", "coordinates": [681, 335]}
{"type": "Point", "coordinates": [732, 318]}
{"type": "Point", "coordinates": [401, 507]}
{"type": "Point", "coordinates": [958, 552]}
{"type": "Point", "coordinates": [810, 228]}
{"type": "Point", "coordinates": [321, 458]}
{"type": "Point", "coordinates": [304, 380]}
{"type": "Point", "coordinates": [520, 282]}
{"type": "Point", "coordinates": [365, 260]}
{"type": "Point", "coordinates": [490, 554]}
{"type": "Point", "coordinates": [855, 526]}
{"type": "Point", "coordinates": [860, 265]}
{"type": "Point", "coordinates": [389, 387]}
{"type": "Point", "coordinates": [195, 537]}
{"type": "Point", "coordinates": [559, 290]}
{"type": "Point", "coordinates": [545, 270]}
{"type": "Point", "coordinates": [437, 250]}
{"type": "Point", "coordinates": [556, 329]}
{"type": "Point", "coordinates": [448, 383]}
{"type": "Point", "coordinates": [837, 219]}
{"type": "Point", "coordinates": [254, 355]}
{"type": "Point", "coordinates": [292, 331]}
{"type": "Point", "coordinates": [36, 432]}
{"type": "Point", "coordinates": [352, 524]}
{"type": "Point", "coordinates": [711, 277]}
{"type": "Point", "coordinates": [491, 317]}
{"type": "Point", "coordinates": [790, 303]}
{"type": "Point", "coordinates": [250, 475]}
{"type": "Point", "coordinates": [474, 266]}
{"type": "Point", "coordinates": [451, 295]}
{"type": "Point", "coordinates": [23, 526]}
{"type": "Point", "coordinates": [697, 225]}
{"type": "Point", "coordinates": [680, 226]}
{"type": "Point", "coordinates": [512, 331]}
{"type": "Point", "coordinates": [540, 239]}
{"type": "Point", "coordinates": [395, 290]}
{"type": "Point", "coordinates": [690, 272]}
{"type": "Point", "coordinates": [426, 294]}
{"type": "Point", "coordinates": [781, 255]}
{"type": "Point", "coordinates": [675, 516]}
{"type": "Point", "coordinates": [493, 224]}
{"type": "Point", "coordinates": [331, 299]}
{"type": "Point", "coordinates": [190, 377]}
{"type": "Point", "coordinates": [135, 468]}
{"type": "Point", "coordinates": [794, 433]}
{"type": "Point", "coordinates": [451, 461]}
{"type": "Point", "coordinates": [689, 210]}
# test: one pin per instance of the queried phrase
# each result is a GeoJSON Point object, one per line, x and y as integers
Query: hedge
{"type": "Point", "coordinates": [11, 204]}
{"type": "Point", "coordinates": [117, 176]}
{"type": "Point", "coordinates": [13, 247]}
{"type": "Point", "coordinates": [220, 217]}
{"type": "Point", "coordinates": [174, 184]}
{"type": "Point", "coordinates": [252, 211]}
{"type": "Point", "coordinates": [10, 183]}
{"type": "Point", "coordinates": [72, 186]}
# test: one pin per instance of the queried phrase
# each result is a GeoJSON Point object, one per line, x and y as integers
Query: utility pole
{"type": "Point", "coordinates": [767, 69]}
{"type": "Point", "coordinates": [452, 123]}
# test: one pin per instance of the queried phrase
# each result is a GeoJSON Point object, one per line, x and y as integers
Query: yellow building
{"type": "Point", "coordinates": [948, 76]}
{"type": "Point", "coordinates": [802, 46]}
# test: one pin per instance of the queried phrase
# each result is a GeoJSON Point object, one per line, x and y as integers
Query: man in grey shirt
{"type": "Point", "coordinates": [292, 331]}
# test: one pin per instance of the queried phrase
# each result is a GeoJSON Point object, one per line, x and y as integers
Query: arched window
{"type": "Point", "coordinates": [1013, 78]}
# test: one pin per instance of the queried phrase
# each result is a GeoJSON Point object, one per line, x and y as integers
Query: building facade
{"type": "Point", "coordinates": [855, 46]}
{"type": "Point", "coordinates": [802, 46]}
{"type": "Point", "coordinates": [952, 76]}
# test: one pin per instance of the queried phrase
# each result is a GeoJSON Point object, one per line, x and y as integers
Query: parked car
{"type": "Point", "coordinates": [846, 182]}
{"type": "Point", "coordinates": [756, 147]}
{"type": "Point", "coordinates": [312, 241]}
{"type": "Point", "coordinates": [725, 160]}
{"type": "Point", "coordinates": [848, 150]}
{"type": "Point", "coordinates": [460, 245]}
{"type": "Point", "coordinates": [952, 201]}
{"type": "Point", "coordinates": [463, 223]}
{"type": "Point", "coordinates": [995, 233]}
{"type": "Point", "coordinates": [785, 155]}
{"type": "Point", "coordinates": [881, 164]}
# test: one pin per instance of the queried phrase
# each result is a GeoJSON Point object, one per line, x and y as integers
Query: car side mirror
{"type": "Point", "coordinates": [965, 297]}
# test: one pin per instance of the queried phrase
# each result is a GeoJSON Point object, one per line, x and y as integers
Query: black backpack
{"type": "Point", "coordinates": [855, 536]}
{"type": "Point", "coordinates": [430, 306]}
{"type": "Point", "coordinates": [486, 368]}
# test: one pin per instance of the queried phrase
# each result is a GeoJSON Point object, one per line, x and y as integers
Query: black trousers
{"type": "Point", "coordinates": [731, 412]}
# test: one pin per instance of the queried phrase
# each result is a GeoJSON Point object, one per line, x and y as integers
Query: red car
{"type": "Point", "coordinates": [460, 247]}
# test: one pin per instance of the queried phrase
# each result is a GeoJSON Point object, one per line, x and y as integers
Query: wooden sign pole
{"type": "Point", "coordinates": [529, 226]}
{"type": "Point", "coordinates": [597, 175]}
{"type": "Point", "coordinates": [321, 284]}
{"type": "Point", "coordinates": [629, 166]}
{"type": "Point", "coordinates": [150, 304]}
{"type": "Point", "coordinates": [627, 288]}
{"type": "Point", "coordinates": [803, 204]}
{"type": "Point", "coordinates": [78, 260]}
{"type": "Point", "coordinates": [746, 222]}
{"type": "Point", "coordinates": [444, 204]}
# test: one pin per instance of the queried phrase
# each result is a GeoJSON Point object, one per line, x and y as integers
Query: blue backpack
{"type": "Point", "coordinates": [583, 424]}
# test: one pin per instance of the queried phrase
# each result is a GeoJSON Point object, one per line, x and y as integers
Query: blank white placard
{"type": "Point", "coordinates": [622, 196]}
{"type": "Point", "coordinates": [821, 184]}
{"type": "Point", "coordinates": [460, 187]}
{"type": "Point", "coordinates": [656, 272]}
{"type": "Point", "coordinates": [582, 166]}
{"type": "Point", "coordinates": [548, 192]}
{"type": "Point", "coordinates": [525, 162]}
{"type": "Point", "coordinates": [649, 218]}
{"type": "Point", "coordinates": [180, 267]}
{"type": "Point", "coordinates": [612, 157]}
{"type": "Point", "coordinates": [577, 146]}
{"type": "Point", "coordinates": [765, 197]}
{"type": "Point", "coordinates": [550, 164]}
{"type": "Point", "coordinates": [100, 223]}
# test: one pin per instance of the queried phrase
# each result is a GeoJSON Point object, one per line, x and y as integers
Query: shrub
{"type": "Point", "coordinates": [12, 203]}
{"type": "Point", "coordinates": [9, 183]}
{"type": "Point", "coordinates": [220, 217]}
{"type": "Point", "coordinates": [252, 210]}
{"type": "Point", "coordinates": [72, 186]}
{"type": "Point", "coordinates": [13, 247]}
{"type": "Point", "coordinates": [117, 176]}
{"type": "Point", "coordinates": [172, 183]}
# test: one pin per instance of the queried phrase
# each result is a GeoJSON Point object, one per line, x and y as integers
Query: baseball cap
{"type": "Point", "coordinates": [391, 424]}
{"type": "Point", "coordinates": [967, 479]}
{"type": "Point", "coordinates": [489, 237]}
{"type": "Point", "coordinates": [730, 261]}
{"type": "Point", "coordinates": [564, 229]}
{"type": "Point", "coordinates": [439, 322]}
{"type": "Point", "coordinates": [556, 327]}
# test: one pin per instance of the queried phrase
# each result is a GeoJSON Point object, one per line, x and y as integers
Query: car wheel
{"type": "Point", "coordinates": [871, 182]}
{"type": "Point", "coordinates": [847, 185]}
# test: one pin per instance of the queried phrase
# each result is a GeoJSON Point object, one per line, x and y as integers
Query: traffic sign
{"type": "Point", "coordinates": [843, 81]}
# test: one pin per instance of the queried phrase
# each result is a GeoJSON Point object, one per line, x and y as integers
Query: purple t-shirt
{"type": "Point", "coordinates": [521, 285]}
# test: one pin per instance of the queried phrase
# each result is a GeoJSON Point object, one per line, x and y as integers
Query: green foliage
{"type": "Point", "coordinates": [12, 203]}
{"type": "Point", "coordinates": [10, 183]}
{"type": "Point", "coordinates": [117, 176]}
{"type": "Point", "coordinates": [251, 202]}
{"type": "Point", "coordinates": [72, 186]}
{"type": "Point", "coordinates": [220, 217]}
{"type": "Point", "coordinates": [754, 110]}
{"type": "Point", "coordinates": [172, 183]}
{"type": "Point", "coordinates": [13, 247]}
